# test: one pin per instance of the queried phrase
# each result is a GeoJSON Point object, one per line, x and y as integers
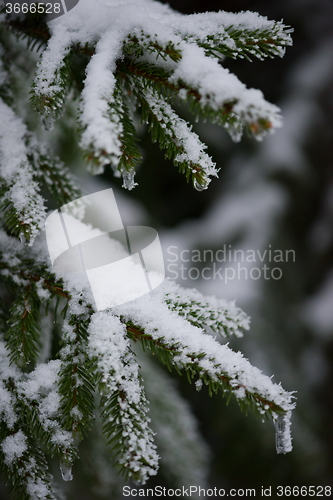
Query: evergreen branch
{"type": "Point", "coordinates": [26, 468]}
{"type": "Point", "coordinates": [172, 355]}
{"type": "Point", "coordinates": [182, 345]}
{"type": "Point", "coordinates": [21, 273]}
{"type": "Point", "coordinates": [49, 92]}
{"type": "Point", "coordinates": [24, 216]}
{"type": "Point", "coordinates": [236, 40]}
{"type": "Point", "coordinates": [210, 90]}
{"type": "Point", "coordinates": [131, 155]}
{"type": "Point", "coordinates": [175, 348]}
{"type": "Point", "coordinates": [76, 378]}
{"type": "Point", "coordinates": [227, 112]}
{"type": "Point", "coordinates": [22, 206]}
{"type": "Point", "coordinates": [98, 153]}
{"type": "Point", "coordinates": [21, 457]}
{"type": "Point", "coordinates": [175, 136]}
{"type": "Point", "coordinates": [156, 76]}
{"type": "Point", "coordinates": [123, 403]}
{"type": "Point", "coordinates": [222, 94]}
{"type": "Point", "coordinates": [159, 79]}
{"type": "Point", "coordinates": [138, 43]}
{"type": "Point", "coordinates": [101, 107]}
{"type": "Point", "coordinates": [58, 71]}
{"type": "Point", "coordinates": [247, 44]}
{"type": "Point", "coordinates": [17, 222]}
{"type": "Point", "coordinates": [53, 175]}
{"type": "Point", "coordinates": [220, 316]}
{"type": "Point", "coordinates": [21, 202]}
{"type": "Point", "coordinates": [38, 400]}
{"type": "Point", "coordinates": [23, 339]}
{"type": "Point", "coordinates": [51, 86]}
{"type": "Point", "coordinates": [124, 154]}
{"type": "Point", "coordinates": [164, 349]}
{"type": "Point", "coordinates": [19, 265]}
{"type": "Point", "coordinates": [39, 392]}
{"type": "Point", "coordinates": [156, 55]}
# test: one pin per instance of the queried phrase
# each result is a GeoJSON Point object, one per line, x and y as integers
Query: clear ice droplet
{"type": "Point", "coordinates": [128, 179]}
{"type": "Point", "coordinates": [279, 434]}
{"type": "Point", "coordinates": [235, 134]}
{"type": "Point", "coordinates": [66, 471]}
{"type": "Point", "coordinates": [198, 186]}
{"type": "Point", "coordinates": [282, 433]}
{"type": "Point", "coordinates": [24, 239]}
{"type": "Point", "coordinates": [48, 122]}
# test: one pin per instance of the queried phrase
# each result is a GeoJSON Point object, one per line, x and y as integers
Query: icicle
{"type": "Point", "coordinates": [48, 122]}
{"type": "Point", "coordinates": [282, 433]}
{"type": "Point", "coordinates": [235, 132]}
{"type": "Point", "coordinates": [128, 179]}
{"type": "Point", "coordinates": [198, 186]}
{"type": "Point", "coordinates": [66, 470]}
{"type": "Point", "coordinates": [24, 239]}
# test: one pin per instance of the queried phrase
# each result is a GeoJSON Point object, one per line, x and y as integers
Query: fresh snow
{"type": "Point", "coordinates": [17, 173]}
{"type": "Point", "coordinates": [14, 446]}
{"type": "Point", "coordinates": [170, 315]}
{"type": "Point", "coordinates": [106, 29]}
{"type": "Point", "coordinates": [119, 371]}
{"type": "Point", "coordinates": [218, 360]}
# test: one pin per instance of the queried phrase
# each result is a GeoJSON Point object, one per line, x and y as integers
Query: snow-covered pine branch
{"type": "Point", "coordinates": [219, 315]}
{"type": "Point", "coordinates": [23, 206]}
{"type": "Point", "coordinates": [30, 422]}
{"type": "Point", "coordinates": [171, 53]}
{"type": "Point", "coordinates": [241, 35]}
{"type": "Point", "coordinates": [123, 404]}
{"type": "Point", "coordinates": [25, 167]}
{"type": "Point", "coordinates": [186, 346]}
{"type": "Point", "coordinates": [119, 58]}
{"type": "Point", "coordinates": [96, 355]}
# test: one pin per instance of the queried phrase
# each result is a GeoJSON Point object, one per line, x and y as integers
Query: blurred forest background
{"type": "Point", "coordinates": [279, 193]}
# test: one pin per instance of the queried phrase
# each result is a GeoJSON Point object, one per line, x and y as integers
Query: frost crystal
{"type": "Point", "coordinates": [14, 446]}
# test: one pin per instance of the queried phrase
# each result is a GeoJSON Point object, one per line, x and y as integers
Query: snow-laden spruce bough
{"type": "Point", "coordinates": [115, 59]}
